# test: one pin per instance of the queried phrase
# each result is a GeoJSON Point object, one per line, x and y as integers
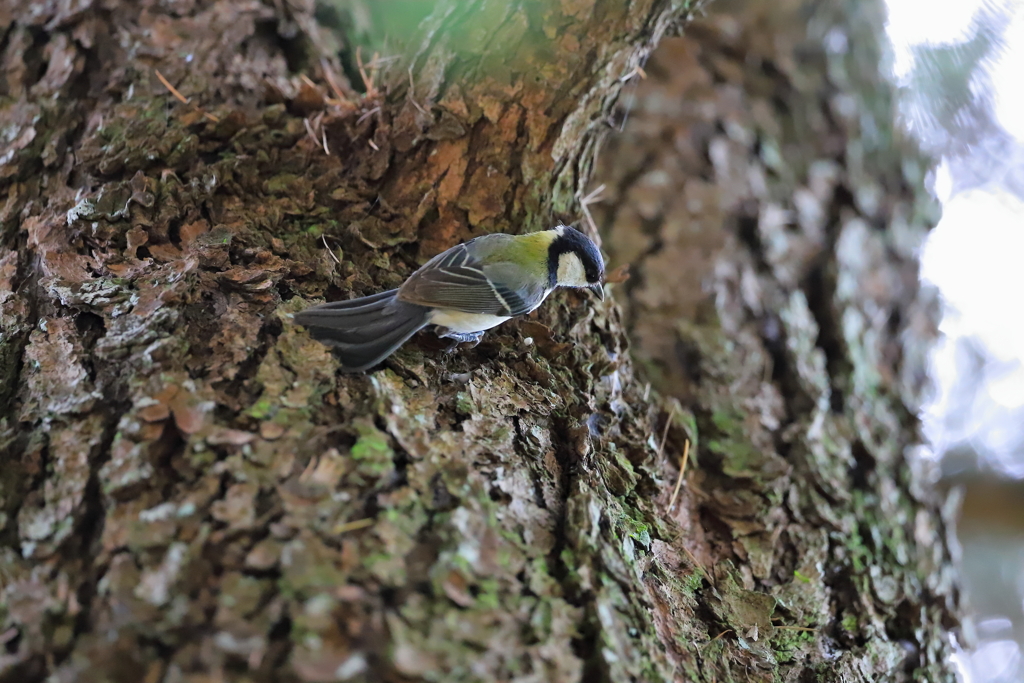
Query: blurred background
{"type": "Point", "coordinates": [960, 69]}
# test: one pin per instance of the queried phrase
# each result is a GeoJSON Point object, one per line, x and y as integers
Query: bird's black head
{"type": "Point", "coordinates": [574, 261]}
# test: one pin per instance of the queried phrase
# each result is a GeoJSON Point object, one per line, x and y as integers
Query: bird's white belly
{"type": "Point", "coordinates": [457, 321]}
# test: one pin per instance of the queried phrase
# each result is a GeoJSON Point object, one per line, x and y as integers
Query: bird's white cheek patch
{"type": "Point", "coordinates": [457, 321]}
{"type": "Point", "coordinates": [570, 271]}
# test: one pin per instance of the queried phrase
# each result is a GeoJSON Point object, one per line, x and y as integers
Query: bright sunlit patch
{"type": "Point", "coordinates": [925, 22]}
{"type": "Point", "coordinates": [1008, 389]}
{"type": "Point", "coordinates": [942, 185]}
{"type": "Point", "coordinates": [995, 660]}
{"type": "Point", "coordinates": [915, 22]}
{"type": "Point", "coordinates": [974, 256]}
{"type": "Point", "coordinates": [1006, 77]}
{"type": "Point", "coordinates": [996, 626]}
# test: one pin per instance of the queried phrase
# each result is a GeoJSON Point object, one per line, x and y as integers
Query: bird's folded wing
{"type": "Point", "coordinates": [457, 281]}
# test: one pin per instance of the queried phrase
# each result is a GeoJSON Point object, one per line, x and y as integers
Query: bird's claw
{"type": "Point", "coordinates": [459, 338]}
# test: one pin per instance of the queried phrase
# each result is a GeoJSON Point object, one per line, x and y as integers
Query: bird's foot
{"type": "Point", "coordinates": [459, 337]}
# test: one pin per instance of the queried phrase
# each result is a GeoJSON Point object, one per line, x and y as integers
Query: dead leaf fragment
{"type": "Point", "coordinates": [618, 276]}
{"type": "Point", "coordinates": [456, 588]}
{"type": "Point", "coordinates": [188, 412]}
{"type": "Point", "coordinates": [271, 430]}
{"type": "Point", "coordinates": [238, 509]}
{"type": "Point", "coordinates": [229, 437]}
{"type": "Point", "coordinates": [190, 231]}
{"type": "Point", "coordinates": [156, 412]}
{"type": "Point", "coordinates": [264, 555]}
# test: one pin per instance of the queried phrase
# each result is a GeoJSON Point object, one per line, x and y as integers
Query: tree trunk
{"type": "Point", "coordinates": [191, 492]}
{"type": "Point", "coordinates": [772, 216]}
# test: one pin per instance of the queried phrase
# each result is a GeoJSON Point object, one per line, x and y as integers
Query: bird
{"type": "Point", "coordinates": [463, 292]}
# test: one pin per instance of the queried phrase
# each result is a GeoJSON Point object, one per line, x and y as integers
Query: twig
{"type": "Point", "coordinates": [353, 526]}
{"type": "Point", "coordinates": [375, 65]}
{"type": "Point", "coordinates": [728, 630]}
{"type": "Point", "coordinates": [636, 70]}
{"type": "Point", "coordinates": [629, 102]}
{"type": "Point", "coordinates": [367, 115]}
{"type": "Point", "coordinates": [379, 61]}
{"type": "Point", "coordinates": [333, 255]}
{"type": "Point", "coordinates": [181, 98]}
{"type": "Point", "coordinates": [679, 481]}
{"type": "Point", "coordinates": [668, 423]}
{"type": "Point", "coordinates": [412, 94]}
{"type": "Point", "coordinates": [367, 83]}
{"type": "Point", "coordinates": [329, 75]}
{"type": "Point", "coordinates": [798, 628]}
{"type": "Point", "coordinates": [311, 131]}
{"type": "Point", "coordinates": [697, 564]}
{"type": "Point", "coordinates": [371, 91]}
{"type": "Point", "coordinates": [174, 91]}
{"type": "Point", "coordinates": [592, 198]}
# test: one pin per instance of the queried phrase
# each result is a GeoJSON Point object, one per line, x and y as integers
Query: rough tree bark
{"type": "Point", "coordinates": [190, 492]}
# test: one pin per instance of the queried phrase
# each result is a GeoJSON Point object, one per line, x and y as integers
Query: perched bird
{"type": "Point", "coordinates": [463, 291]}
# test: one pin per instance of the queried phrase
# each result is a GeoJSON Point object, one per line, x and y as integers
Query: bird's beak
{"type": "Point", "coordinates": [597, 289]}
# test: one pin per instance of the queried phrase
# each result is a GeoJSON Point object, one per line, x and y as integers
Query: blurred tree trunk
{"type": "Point", "coordinates": [190, 492]}
{"type": "Point", "coordinates": [773, 216]}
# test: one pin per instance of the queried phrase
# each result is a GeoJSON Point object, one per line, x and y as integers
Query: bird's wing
{"type": "Point", "coordinates": [456, 280]}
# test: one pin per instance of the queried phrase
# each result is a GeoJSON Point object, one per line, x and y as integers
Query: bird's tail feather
{"type": "Point", "coordinates": [364, 331]}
